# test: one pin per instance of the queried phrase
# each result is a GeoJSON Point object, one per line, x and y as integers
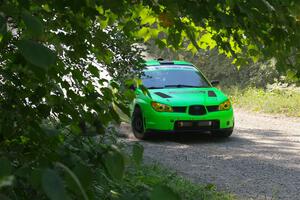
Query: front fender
{"type": "Point", "coordinates": [141, 100]}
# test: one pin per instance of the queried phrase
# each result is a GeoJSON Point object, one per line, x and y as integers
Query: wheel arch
{"type": "Point", "coordinates": [138, 106]}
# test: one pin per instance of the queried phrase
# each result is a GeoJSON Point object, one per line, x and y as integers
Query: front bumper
{"type": "Point", "coordinates": [181, 122]}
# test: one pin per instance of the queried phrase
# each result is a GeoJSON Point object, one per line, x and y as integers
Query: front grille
{"type": "Point", "coordinates": [180, 109]}
{"type": "Point", "coordinates": [212, 108]}
{"type": "Point", "coordinates": [197, 110]}
{"type": "Point", "coordinates": [194, 125]}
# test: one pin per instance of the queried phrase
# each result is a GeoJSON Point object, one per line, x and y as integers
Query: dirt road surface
{"type": "Point", "coordinates": [261, 160]}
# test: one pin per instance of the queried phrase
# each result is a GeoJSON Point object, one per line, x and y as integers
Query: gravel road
{"type": "Point", "coordinates": [260, 161]}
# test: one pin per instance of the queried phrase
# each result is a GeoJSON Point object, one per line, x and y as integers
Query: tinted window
{"type": "Point", "coordinates": [173, 78]}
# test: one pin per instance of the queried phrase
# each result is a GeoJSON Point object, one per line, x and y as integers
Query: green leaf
{"type": "Point", "coordinates": [114, 164]}
{"type": "Point", "coordinates": [114, 84]}
{"type": "Point", "coordinates": [129, 94]}
{"type": "Point", "coordinates": [53, 185]}
{"type": "Point", "coordinates": [84, 174]}
{"type": "Point", "coordinates": [163, 193]}
{"type": "Point", "coordinates": [35, 178]}
{"type": "Point", "coordinates": [129, 26]}
{"type": "Point", "coordinates": [160, 43]}
{"type": "Point", "coordinates": [94, 70]}
{"type": "Point", "coordinates": [5, 167]}
{"type": "Point", "coordinates": [114, 114]}
{"type": "Point", "coordinates": [75, 179]}
{"type": "Point", "coordinates": [123, 108]}
{"type": "Point", "coordinates": [4, 197]}
{"type": "Point", "coordinates": [33, 24]}
{"type": "Point", "coordinates": [24, 170]}
{"type": "Point", "coordinates": [143, 33]}
{"type": "Point", "coordinates": [6, 181]}
{"type": "Point", "coordinates": [36, 53]}
{"type": "Point", "coordinates": [137, 153]}
{"type": "Point", "coordinates": [145, 90]}
{"type": "Point", "coordinates": [174, 38]}
{"type": "Point", "coordinates": [147, 19]}
{"type": "Point", "coordinates": [3, 26]}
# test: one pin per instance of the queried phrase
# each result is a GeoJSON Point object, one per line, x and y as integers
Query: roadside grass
{"type": "Point", "coordinates": [274, 101]}
{"type": "Point", "coordinates": [154, 175]}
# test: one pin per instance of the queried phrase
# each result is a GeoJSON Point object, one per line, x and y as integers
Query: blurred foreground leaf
{"type": "Point", "coordinates": [36, 53]}
{"type": "Point", "coordinates": [114, 164]}
{"type": "Point", "coordinates": [163, 193]}
{"type": "Point", "coordinates": [137, 153]}
{"type": "Point", "coordinates": [53, 185]}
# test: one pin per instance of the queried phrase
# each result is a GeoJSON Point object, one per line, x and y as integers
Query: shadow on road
{"type": "Point", "coordinates": [187, 138]}
{"type": "Point", "coordinates": [238, 138]}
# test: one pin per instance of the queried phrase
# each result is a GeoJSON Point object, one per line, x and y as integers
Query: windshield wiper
{"type": "Point", "coordinates": [181, 85]}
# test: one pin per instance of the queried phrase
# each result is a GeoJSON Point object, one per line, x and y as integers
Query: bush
{"type": "Point", "coordinates": [275, 99]}
{"type": "Point", "coordinates": [60, 165]}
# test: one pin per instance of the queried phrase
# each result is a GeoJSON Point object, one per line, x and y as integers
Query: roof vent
{"type": "Point", "coordinates": [166, 62]}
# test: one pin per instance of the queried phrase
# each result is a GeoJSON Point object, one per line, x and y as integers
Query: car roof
{"type": "Point", "coordinates": [168, 65]}
{"type": "Point", "coordinates": [161, 62]}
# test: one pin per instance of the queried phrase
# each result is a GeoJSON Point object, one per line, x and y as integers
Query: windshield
{"type": "Point", "coordinates": [156, 79]}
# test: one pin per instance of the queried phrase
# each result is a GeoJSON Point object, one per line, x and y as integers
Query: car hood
{"type": "Point", "coordinates": [188, 96]}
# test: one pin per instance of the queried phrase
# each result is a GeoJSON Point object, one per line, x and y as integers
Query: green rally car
{"type": "Point", "coordinates": [179, 99]}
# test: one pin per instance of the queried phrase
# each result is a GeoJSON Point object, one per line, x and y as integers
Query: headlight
{"type": "Point", "coordinates": [226, 105]}
{"type": "Point", "coordinates": [161, 107]}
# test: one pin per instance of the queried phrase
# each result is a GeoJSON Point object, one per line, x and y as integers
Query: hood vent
{"type": "Point", "coordinates": [187, 92]}
{"type": "Point", "coordinates": [163, 95]}
{"type": "Point", "coordinates": [211, 94]}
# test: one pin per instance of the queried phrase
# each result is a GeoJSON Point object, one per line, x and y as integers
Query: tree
{"type": "Point", "coordinates": [218, 66]}
{"type": "Point", "coordinates": [48, 51]}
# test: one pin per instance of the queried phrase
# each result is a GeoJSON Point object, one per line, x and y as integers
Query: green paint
{"type": "Point", "coordinates": [182, 96]}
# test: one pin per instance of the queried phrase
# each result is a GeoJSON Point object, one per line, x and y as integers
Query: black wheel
{"type": "Point", "coordinates": [223, 133]}
{"type": "Point", "coordinates": [137, 124]}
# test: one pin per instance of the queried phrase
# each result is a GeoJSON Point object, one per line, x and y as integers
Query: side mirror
{"type": "Point", "coordinates": [215, 83]}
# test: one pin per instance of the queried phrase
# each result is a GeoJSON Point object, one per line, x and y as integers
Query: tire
{"type": "Point", "coordinates": [137, 124]}
{"type": "Point", "coordinates": [223, 133]}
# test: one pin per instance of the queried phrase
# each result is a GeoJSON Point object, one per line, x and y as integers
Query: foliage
{"type": "Point", "coordinates": [56, 58]}
{"type": "Point", "coordinates": [244, 30]}
{"type": "Point", "coordinates": [52, 62]}
{"type": "Point", "coordinates": [258, 74]}
{"type": "Point", "coordinates": [277, 100]}
{"type": "Point", "coordinates": [91, 172]}
{"type": "Point", "coordinates": [216, 66]}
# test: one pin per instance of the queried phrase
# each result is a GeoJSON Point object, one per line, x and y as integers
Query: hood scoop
{"type": "Point", "coordinates": [163, 95]}
{"type": "Point", "coordinates": [212, 94]}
